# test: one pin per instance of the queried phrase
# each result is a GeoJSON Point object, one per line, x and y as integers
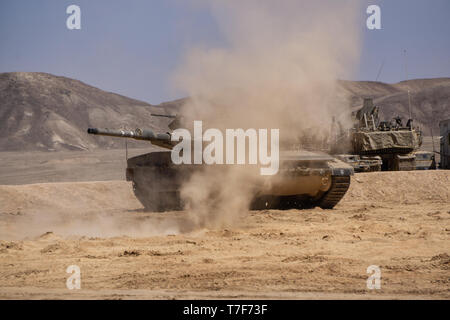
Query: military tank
{"type": "Point", "coordinates": [305, 178]}
{"type": "Point", "coordinates": [386, 145]}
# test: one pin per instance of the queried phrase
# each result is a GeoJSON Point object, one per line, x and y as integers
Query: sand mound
{"type": "Point", "coordinates": [84, 196]}
{"type": "Point", "coordinates": [402, 187]}
{"type": "Point", "coordinates": [109, 208]}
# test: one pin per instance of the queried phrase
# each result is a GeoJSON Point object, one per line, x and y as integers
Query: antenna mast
{"type": "Point", "coordinates": [406, 78]}
{"type": "Point", "coordinates": [126, 146]}
{"type": "Point", "coordinates": [379, 70]}
{"type": "Point", "coordinates": [432, 137]}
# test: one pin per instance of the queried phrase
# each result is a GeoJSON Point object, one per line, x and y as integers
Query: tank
{"type": "Point", "coordinates": [388, 145]}
{"type": "Point", "coordinates": [305, 179]}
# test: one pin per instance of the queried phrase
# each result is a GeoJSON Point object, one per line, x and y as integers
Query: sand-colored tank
{"type": "Point", "coordinates": [304, 179]}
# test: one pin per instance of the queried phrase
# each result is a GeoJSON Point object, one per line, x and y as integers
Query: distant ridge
{"type": "Point", "coordinates": [40, 111]}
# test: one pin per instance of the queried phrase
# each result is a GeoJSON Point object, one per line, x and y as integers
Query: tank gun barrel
{"type": "Point", "coordinates": [159, 139]}
{"type": "Point", "coordinates": [164, 115]}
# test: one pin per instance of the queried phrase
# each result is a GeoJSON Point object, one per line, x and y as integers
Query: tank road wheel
{"type": "Point", "coordinates": [295, 202]}
{"type": "Point", "coordinates": [157, 201]}
{"type": "Point", "coordinates": [280, 203]}
{"type": "Point", "coordinates": [339, 186]}
{"type": "Point", "coordinates": [265, 202]}
{"type": "Point", "coordinates": [144, 198]}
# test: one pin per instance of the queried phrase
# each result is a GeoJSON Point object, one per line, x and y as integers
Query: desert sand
{"type": "Point", "coordinates": [399, 221]}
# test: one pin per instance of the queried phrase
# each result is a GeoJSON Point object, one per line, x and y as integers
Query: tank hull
{"type": "Point", "coordinates": [304, 180]}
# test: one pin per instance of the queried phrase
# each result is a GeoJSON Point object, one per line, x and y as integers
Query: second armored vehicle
{"type": "Point", "coordinates": [390, 146]}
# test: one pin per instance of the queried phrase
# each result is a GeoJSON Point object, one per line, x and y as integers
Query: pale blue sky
{"type": "Point", "coordinates": [132, 47]}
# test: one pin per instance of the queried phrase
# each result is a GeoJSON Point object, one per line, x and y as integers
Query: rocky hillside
{"type": "Point", "coordinates": [39, 111]}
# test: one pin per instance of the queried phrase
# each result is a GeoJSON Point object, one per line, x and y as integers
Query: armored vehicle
{"type": "Point", "coordinates": [372, 139]}
{"type": "Point", "coordinates": [305, 178]}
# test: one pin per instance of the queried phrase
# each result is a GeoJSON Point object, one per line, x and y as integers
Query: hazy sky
{"type": "Point", "coordinates": [132, 47]}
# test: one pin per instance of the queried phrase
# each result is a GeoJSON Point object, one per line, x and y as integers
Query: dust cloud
{"type": "Point", "coordinates": [278, 69]}
{"type": "Point", "coordinates": [78, 223]}
{"type": "Point", "coordinates": [91, 209]}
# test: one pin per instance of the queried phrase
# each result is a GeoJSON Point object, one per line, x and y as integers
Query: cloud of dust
{"type": "Point", "coordinates": [92, 209]}
{"type": "Point", "coordinates": [77, 223]}
{"type": "Point", "coordinates": [278, 70]}
{"type": "Point", "coordinates": [216, 196]}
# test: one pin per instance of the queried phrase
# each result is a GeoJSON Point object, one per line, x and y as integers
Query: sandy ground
{"type": "Point", "coordinates": [399, 221]}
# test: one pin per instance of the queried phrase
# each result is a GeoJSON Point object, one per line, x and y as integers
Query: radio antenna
{"type": "Point", "coordinates": [432, 137]}
{"type": "Point", "coordinates": [379, 70]}
{"type": "Point", "coordinates": [406, 78]}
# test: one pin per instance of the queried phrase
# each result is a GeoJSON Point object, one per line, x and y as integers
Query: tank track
{"type": "Point", "coordinates": [339, 187]}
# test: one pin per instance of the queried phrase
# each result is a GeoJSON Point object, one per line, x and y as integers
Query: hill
{"type": "Point", "coordinates": [40, 111]}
